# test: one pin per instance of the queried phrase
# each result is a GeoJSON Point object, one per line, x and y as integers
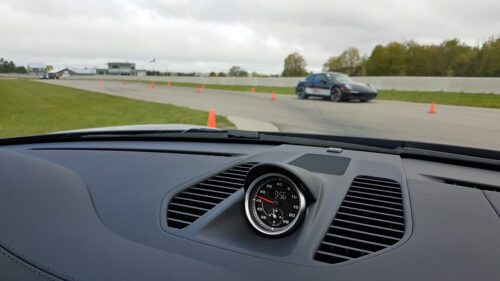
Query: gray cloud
{"type": "Point", "coordinates": [189, 35]}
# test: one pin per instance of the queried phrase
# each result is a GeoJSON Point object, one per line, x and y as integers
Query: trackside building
{"type": "Point", "coordinates": [121, 68]}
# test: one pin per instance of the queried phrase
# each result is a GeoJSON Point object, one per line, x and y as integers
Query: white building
{"type": "Point", "coordinates": [37, 69]}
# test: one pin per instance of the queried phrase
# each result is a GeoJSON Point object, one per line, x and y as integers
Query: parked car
{"type": "Point", "coordinates": [335, 87]}
{"type": "Point", "coordinates": [53, 75]}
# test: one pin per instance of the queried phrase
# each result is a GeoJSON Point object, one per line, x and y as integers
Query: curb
{"type": "Point", "coordinates": [248, 124]}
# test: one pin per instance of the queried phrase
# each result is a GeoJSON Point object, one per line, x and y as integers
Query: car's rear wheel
{"type": "Point", "coordinates": [336, 95]}
{"type": "Point", "coordinates": [301, 92]}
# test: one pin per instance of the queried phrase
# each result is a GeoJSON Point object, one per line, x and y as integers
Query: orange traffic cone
{"type": "Point", "coordinates": [124, 83]}
{"type": "Point", "coordinates": [197, 90]}
{"type": "Point", "coordinates": [140, 81]}
{"type": "Point", "coordinates": [169, 83]}
{"type": "Point", "coordinates": [203, 86]}
{"type": "Point", "coordinates": [432, 110]}
{"type": "Point", "coordinates": [211, 119]}
{"type": "Point", "coordinates": [253, 90]}
{"type": "Point", "coordinates": [152, 85]}
{"type": "Point", "coordinates": [272, 96]}
{"type": "Point", "coordinates": [100, 80]}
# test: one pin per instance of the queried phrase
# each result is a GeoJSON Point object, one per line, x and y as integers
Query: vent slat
{"type": "Point", "coordinates": [211, 191]}
{"type": "Point", "coordinates": [385, 182]}
{"type": "Point", "coordinates": [381, 186]}
{"type": "Point", "coordinates": [381, 245]}
{"type": "Point", "coordinates": [225, 183]}
{"type": "Point", "coordinates": [192, 203]}
{"type": "Point", "coordinates": [374, 205]}
{"type": "Point", "coordinates": [195, 201]}
{"type": "Point", "coordinates": [372, 201]}
{"type": "Point", "coordinates": [375, 190]}
{"type": "Point", "coordinates": [370, 218]}
{"type": "Point", "coordinates": [183, 213]}
{"type": "Point", "coordinates": [234, 174]}
{"type": "Point", "coordinates": [178, 222]}
{"type": "Point", "coordinates": [248, 165]}
{"type": "Point", "coordinates": [333, 255]}
{"type": "Point", "coordinates": [369, 226]}
{"type": "Point", "coordinates": [236, 169]}
{"type": "Point", "coordinates": [345, 247]}
{"type": "Point", "coordinates": [366, 233]}
{"type": "Point", "coordinates": [218, 186]}
{"type": "Point", "coordinates": [208, 198]}
{"type": "Point", "coordinates": [230, 178]}
{"type": "Point", "coordinates": [188, 206]}
{"type": "Point", "coordinates": [372, 212]}
{"type": "Point", "coordinates": [395, 199]}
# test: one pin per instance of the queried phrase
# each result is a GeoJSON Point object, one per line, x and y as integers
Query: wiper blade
{"type": "Point", "coordinates": [189, 134]}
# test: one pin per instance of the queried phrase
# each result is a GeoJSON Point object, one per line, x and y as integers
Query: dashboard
{"type": "Point", "coordinates": [181, 210]}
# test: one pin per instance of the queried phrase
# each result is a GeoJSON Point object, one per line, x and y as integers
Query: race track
{"type": "Point", "coordinates": [467, 126]}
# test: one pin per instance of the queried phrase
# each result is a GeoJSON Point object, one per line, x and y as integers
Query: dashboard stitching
{"type": "Point", "coordinates": [23, 264]}
{"type": "Point", "coordinates": [32, 261]}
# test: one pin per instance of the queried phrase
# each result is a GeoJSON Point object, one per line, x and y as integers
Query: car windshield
{"type": "Point", "coordinates": [421, 70]}
{"type": "Point", "coordinates": [334, 77]}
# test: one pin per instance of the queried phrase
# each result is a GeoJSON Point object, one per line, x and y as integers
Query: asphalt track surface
{"type": "Point", "coordinates": [458, 125]}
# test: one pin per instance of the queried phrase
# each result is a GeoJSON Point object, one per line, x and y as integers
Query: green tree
{"type": "Point", "coordinates": [332, 64]}
{"type": "Point", "coordinates": [389, 60]}
{"type": "Point", "coordinates": [295, 65]}
{"type": "Point", "coordinates": [489, 58]}
{"type": "Point", "coordinates": [238, 72]}
{"type": "Point", "coordinates": [349, 62]}
{"type": "Point", "coordinates": [212, 74]}
{"type": "Point", "coordinates": [375, 65]}
{"type": "Point", "coordinates": [221, 74]}
{"type": "Point", "coordinates": [416, 59]}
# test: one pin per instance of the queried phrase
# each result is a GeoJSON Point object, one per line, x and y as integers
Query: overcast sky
{"type": "Point", "coordinates": [202, 36]}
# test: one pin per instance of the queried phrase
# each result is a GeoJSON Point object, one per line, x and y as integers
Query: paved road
{"type": "Point", "coordinates": [468, 126]}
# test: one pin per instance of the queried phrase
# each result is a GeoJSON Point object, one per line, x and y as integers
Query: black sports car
{"type": "Point", "coordinates": [334, 86]}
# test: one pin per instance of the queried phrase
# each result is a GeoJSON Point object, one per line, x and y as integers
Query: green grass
{"type": "Point", "coordinates": [449, 98]}
{"type": "Point", "coordinates": [28, 107]}
{"type": "Point", "coordinates": [463, 99]}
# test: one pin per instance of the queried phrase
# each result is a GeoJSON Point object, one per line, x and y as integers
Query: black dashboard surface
{"type": "Point", "coordinates": [97, 211]}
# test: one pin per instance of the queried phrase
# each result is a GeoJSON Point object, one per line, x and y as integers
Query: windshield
{"type": "Point", "coordinates": [421, 70]}
{"type": "Point", "coordinates": [339, 78]}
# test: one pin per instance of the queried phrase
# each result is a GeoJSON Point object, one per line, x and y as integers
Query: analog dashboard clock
{"type": "Point", "coordinates": [274, 204]}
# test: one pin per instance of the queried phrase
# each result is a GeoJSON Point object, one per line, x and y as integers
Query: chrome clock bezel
{"type": "Point", "coordinates": [256, 225]}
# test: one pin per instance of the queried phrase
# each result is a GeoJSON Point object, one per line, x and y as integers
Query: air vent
{"type": "Point", "coordinates": [370, 218]}
{"type": "Point", "coordinates": [192, 203]}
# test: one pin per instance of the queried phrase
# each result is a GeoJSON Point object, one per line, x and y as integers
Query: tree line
{"type": "Point", "coordinates": [10, 66]}
{"type": "Point", "coordinates": [450, 58]}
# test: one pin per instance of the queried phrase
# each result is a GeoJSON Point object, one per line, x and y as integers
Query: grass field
{"type": "Point", "coordinates": [28, 107]}
{"type": "Point", "coordinates": [463, 99]}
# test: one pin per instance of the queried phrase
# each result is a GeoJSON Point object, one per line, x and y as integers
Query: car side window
{"type": "Point", "coordinates": [320, 77]}
{"type": "Point", "coordinates": [310, 78]}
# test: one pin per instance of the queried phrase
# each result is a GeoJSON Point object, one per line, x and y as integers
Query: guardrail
{"type": "Point", "coordinates": [425, 84]}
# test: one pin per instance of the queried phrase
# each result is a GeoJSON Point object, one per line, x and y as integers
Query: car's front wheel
{"type": "Point", "coordinates": [336, 95]}
{"type": "Point", "coordinates": [301, 92]}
